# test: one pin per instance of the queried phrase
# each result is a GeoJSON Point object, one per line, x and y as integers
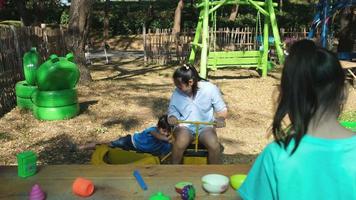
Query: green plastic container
{"type": "Point", "coordinates": [58, 73]}
{"type": "Point", "coordinates": [56, 113]}
{"type": "Point", "coordinates": [349, 125]}
{"type": "Point", "coordinates": [30, 65]}
{"type": "Point", "coordinates": [26, 164]}
{"type": "Point", "coordinates": [24, 90]}
{"type": "Point", "coordinates": [56, 98]}
{"type": "Point", "coordinates": [24, 103]}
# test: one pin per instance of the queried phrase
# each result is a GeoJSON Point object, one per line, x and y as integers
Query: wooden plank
{"type": "Point", "coordinates": [347, 64]}
{"type": "Point", "coordinates": [232, 54]}
{"type": "Point", "coordinates": [234, 61]}
{"type": "Point", "coordinates": [114, 181]}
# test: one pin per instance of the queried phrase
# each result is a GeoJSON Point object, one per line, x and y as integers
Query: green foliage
{"type": "Point", "coordinates": [295, 15]}
{"type": "Point", "coordinates": [348, 116]}
{"type": "Point", "coordinates": [36, 11]}
{"type": "Point", "coordinates": [64, 17]}
{"type": "Point", "coordinates": [129, 17]}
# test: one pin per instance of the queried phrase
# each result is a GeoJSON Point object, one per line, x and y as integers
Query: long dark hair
{"type": "Point", "coordinates": [185, 73]}
{"type": "Point", "coordinates": [312, 81]}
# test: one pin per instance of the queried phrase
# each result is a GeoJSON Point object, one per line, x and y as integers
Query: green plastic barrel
{"type": "Point", "coordinates": [56, 113]}
{"type": "Point", "coordinates": [58, 73]}
{"type": "Point", "coordinates": [24, 90]}
{"type": "Point", "coordinates": [56, 98]}
{"type": "Point", "coordinates": [30, 65]}
{"type": "Point", "coordinates": [24, 103]}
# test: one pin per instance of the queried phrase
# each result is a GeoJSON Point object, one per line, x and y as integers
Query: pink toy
{"type": "Point", "coordinates": [37, 193]}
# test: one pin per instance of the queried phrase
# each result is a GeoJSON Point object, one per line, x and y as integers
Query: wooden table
{"type": "Point", "coordinates": [348, 65]}
{"type": "Point", "coordinates": [114, 181]}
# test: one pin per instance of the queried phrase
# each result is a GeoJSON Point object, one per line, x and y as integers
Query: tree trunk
{"type": "Point", "coordinates": [23, 12]}
{"type": "Point", "coordinates": [234, 12]}
{"type": "Point", "coordinates": [345, 35]}
{"type": "Point", "coordinates": [106, 20]}
{"type": "Point", "coordinates": [177, 17]}
{"type": "Point", "coordinates": [77, 34]}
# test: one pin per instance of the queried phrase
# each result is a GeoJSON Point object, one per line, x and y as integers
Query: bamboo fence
{"type": "Point", "coordinates": [14, 42]}
{"type": "Point", "coordinates": [162, 47]}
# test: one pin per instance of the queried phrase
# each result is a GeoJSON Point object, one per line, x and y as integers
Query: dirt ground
{"type": "Point", "coordinates": [128, 96]}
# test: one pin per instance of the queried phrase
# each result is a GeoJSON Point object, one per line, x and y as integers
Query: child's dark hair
{"type": "Point", "coordinates": [312, 85]}
{"type": "Point", "coordinates": [163, 123]}
{"type": "Point", "coordinates": [185, 73]}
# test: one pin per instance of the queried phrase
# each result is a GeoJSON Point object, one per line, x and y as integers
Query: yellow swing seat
{"type": "Point", "coordinates": [105, 155]}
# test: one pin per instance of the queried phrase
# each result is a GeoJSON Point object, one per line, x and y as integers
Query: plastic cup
{"type": "Point", "coordinates": [237, 180]}
{"type": "Point", "coordinates": [83, 187]}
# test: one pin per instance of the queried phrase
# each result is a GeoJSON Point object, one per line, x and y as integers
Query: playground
{"type": "Point", "coordinates": [253, 99]}
{"type": "Point", "coordinates": [127, 96]}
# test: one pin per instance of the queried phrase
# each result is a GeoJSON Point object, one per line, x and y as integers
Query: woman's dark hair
{"type": "Point", "coordinates": [312, 81]}
{"type": "Point", "coordinates": [163, 123]}
{"type": "Point", "coordinates": [185, 73]}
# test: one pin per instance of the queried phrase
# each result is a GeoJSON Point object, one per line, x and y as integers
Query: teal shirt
{"type": "Point", "coordinates": [320, 168]}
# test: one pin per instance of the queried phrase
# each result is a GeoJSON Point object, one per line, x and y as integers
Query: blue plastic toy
{"type": "Point", "coordinates": [140, 180]}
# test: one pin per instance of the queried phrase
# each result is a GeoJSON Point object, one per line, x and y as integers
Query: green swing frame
{"type": "Point", "coordinates": [245, 59]}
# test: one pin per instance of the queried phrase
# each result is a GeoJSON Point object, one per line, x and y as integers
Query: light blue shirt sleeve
{"type": "Point", "coordinates": [261, 180]}
{"type": "Point", "coordinates": [217, 101]}
{"type": "Point", "coordinates": [176, 100]}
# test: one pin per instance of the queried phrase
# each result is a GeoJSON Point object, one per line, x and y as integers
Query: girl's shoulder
{"type": "Point", "coordinates": [206, 85]}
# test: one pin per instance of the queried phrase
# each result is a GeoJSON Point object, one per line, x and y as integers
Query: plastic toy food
{"type": "Point", "coordinates": [83, 187]}
{"type": "Point", "coordinates": [215, 183]}
{"type": "Point", "coordinates": [236, 180]}
{"type": "Point", "coordinates": [37, 193]}
{"type": "Point", "coordinates": [188, 193]}
{"type": "Point", "coordinates": [179, 186]}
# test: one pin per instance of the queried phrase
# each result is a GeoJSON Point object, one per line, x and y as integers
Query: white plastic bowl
{"type": "Point", "coordinates": [215, 183]}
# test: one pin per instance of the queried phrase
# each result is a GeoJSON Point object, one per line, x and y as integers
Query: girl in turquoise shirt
{"type": "Point", "coordinates": [314, 157]}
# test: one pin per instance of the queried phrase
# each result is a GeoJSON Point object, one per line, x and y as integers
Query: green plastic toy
{"type": "Point", "coordinates": [58, 73]}
{"type": "Point", "coordinates": [349, 125]}
{"type": "Point", "coordinates": [26, 162]}
{"type": "Point", "coordinates": [30, 65]}
{"type": "Point", "coordinates": [159, 196]}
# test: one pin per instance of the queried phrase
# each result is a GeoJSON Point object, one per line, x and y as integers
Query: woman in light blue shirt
{"type": "Point", "coordinates": [314, 157]}
{"type": "Point", "coordinates": [195, 99]}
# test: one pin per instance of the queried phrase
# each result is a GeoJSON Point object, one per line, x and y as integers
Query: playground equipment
{"type": "Point", "coordinates": [210, 59]}
{"type": "Point", "coordinates": [194, 154]}
{"type": "Point", "coordinates": [25, 88]}
{"type": "Point", "coordinates": [30, 65]}
{"type": "Point", "coordinates": [49, 91]}
{"type": "Point", "coordinates": [325, 11]}
{"type": "Point", "coordinates": [56, 97]}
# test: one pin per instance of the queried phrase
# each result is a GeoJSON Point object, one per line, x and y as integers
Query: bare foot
{"type": "Point", "coordinates": [87, 146]}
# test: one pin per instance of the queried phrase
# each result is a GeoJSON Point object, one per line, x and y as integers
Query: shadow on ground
{"type": "Point", "coordinates": [61, 150]}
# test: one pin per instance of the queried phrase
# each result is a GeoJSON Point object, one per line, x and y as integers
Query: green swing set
{"type": "Point", "coordinates": [211, 59]}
